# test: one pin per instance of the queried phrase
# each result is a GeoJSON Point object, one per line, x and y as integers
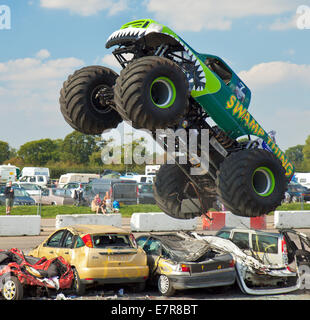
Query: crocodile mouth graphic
{"type": "Point", "coordinates": [193, 68]}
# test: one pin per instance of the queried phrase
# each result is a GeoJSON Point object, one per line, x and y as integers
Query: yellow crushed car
{"type": "Point", "coordinates": [98, 255]}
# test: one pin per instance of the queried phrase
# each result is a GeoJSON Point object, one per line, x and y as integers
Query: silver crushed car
{"type": "Point", "coordinates": [178, 261]}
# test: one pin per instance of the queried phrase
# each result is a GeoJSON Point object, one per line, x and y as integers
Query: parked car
{"type": "Point", "coordinates": [123, 191]}
{"type": "Point", "coordinates": [178, 261]}
{"type": "Point", "coordinates": [32, 189]}
{"type": "Point", "coordinates": [98, 254]}
{"type": "Point", "coordinates": [74, 185]}
{"type": "Point", "coordinates": [77, 177]}
{"type": "Point", "coordinates": [52, 196]}
{"type": "Point", "coordinates": [18, 272]}
{"type": "Point", "coordinates": [145, 193]}
{"type": "Point", "coordinates": [298, 192]}
{"type": "Point", "coordinates": [253, 276]}
{"type": "Point", "coordinates": [21, 197]}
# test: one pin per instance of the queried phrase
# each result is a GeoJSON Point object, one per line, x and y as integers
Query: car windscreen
{"type": "Point", "coordinates": [112, 241]}
{"type": "Point", "coordinates": [20, 193]}
{"type": "Point", "coordinates": [30, 187]}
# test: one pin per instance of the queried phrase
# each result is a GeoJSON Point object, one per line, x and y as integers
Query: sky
{"type": "Point", "coordinates": [265, 41]}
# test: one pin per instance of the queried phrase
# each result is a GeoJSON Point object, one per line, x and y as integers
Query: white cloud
{"type": "Point", "coordinates": [269, 73]}
{"type": "Point", "coordinates": [282, 24]}
{"type": "Point", "coordinates": [29, 93]}
{"type": "Point", "coordinates": [195, 15]}
{"type": "Point", "coordinates": [280, 99]}
{"type": "Point", "coordinates": [43, 54]}
{"type": "Point", "coordinates": [86, 8]}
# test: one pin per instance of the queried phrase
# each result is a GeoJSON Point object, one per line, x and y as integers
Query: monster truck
{"type": "Point", "coordinates": [165, 84]}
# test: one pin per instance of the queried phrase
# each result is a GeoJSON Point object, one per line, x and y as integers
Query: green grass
{"type": "Point", "coordinates": [53, 211]}
{"type": "Point", "coordinates": [126, 210]}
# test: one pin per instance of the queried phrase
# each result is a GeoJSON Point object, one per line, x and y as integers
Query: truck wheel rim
{"type": "Point", "coordinates": [163, 284]}
{"type": "Point", "coordinates": [163, 92]}
{"type": "Point", "coordinates": [102, 99]}
{"type": "Point", "coordinates": [263, 181]}
{"type": "Point", "coordinates": [9, 290]}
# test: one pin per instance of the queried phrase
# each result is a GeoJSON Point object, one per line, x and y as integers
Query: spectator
{"type": "Point", "coordinates": [116, 206]}
{"type": "Point", "coordinates": [103, 206]}
{"type": "Point", "coordinates": [78, 195]}
{"type": "Point", "coordinates": [9, 197]}
{"type": "Point", "coordinates": [96, 203]}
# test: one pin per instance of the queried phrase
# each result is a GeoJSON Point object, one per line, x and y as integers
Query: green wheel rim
{"type": "Point", "coordinates": [163, 92]}
{"type": "Point", "coordinates": [263, 181]}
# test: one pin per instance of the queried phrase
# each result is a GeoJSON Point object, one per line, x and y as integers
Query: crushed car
{"type": "Point", "coordinates": [253, 275]}
{"type": "Point", "coordinates": [19, 273]}
{"type": "Point", "coordinates": [178, 261]}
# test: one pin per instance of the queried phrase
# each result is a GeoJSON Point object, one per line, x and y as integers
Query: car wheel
{"type": "Point", "coordinates": [12, 289]}
{"type": "Point", "coordinates": [78, 287]}
{"type": "Point", "coordinates": [164, 286]}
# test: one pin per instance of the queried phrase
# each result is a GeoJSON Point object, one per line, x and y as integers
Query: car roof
{"type": "Point", "coordinates": [95, 229]}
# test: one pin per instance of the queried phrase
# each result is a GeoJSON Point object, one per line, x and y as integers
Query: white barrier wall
{"type": "Point", "coordinates": [292, 219]}
{"type": "Point", "coordinates": [159, 221]}
{"type": "Point", "coordinates": [99, 219]}
{"type": "Point", "coordinates": [20, 225]}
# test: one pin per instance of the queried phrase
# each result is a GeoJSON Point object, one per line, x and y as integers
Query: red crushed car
{"type": "Point", "coordinates": [19, 273]}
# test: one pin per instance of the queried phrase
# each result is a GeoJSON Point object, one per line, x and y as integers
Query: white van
{"type": "Point", "coordinates": [76, 177]}
{"type": "Point", "coordinates": [303, 178]}
{"type": "Point", "coordinates": [41, 181]}
{"type": "Point", "coordinates": [8, 173]}
{"type": "Point", "coordinates": [35, 171]}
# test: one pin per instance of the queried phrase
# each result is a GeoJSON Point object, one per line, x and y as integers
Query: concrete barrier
{"type": "Point", "coordinates": [229, 220]}
{"type": "Point", "coordinates": [159, 221]}
{"type": "Point", "coordinates": [98, 219]}
{"type": "Point", "coordinates": [292, 219]}
{"type": "Point", "coordinates": [20, 225]}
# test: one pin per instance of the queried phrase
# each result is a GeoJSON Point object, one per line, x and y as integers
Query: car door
{"type": "Point", "coordinates": [241, 240]}
{"type": "Point", "coordinates": [52, 246]}
{"type": "Point", "coordinates": [66, 245]}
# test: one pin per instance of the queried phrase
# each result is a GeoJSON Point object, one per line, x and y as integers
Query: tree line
{"type": "Point", "coordinates": [80, 152]}
{"type": "Point", "coordinates": [77, 152]}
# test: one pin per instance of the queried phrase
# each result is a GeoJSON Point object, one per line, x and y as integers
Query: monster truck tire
{"type": "Point", "coordinates": [152, 92]}
{"type": "Point", "coordinates": [169, 187]}
{"type": "Point", "coordinates": [251, 183]}
{"type": "Point", "coordinates": [86, 100]}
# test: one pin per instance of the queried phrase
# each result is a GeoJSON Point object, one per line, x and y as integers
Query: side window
{"type": "Point", "coordinates": [79, 243]}
{"type": "Point", "coordinates": [68, 240]}
{"type": "Point", "coordinates": [141, 241]}
{"type": "Point", "coordinates": [40, 179]}
{"type": "Point", "coordinates": [223, 234]}
{"type": "Point", "coordinates": [55, 239]}
{"type": "Point", "coordinates": [241, 239]}
{"type": "Point", "coordinates": [32, 179]}
{"type": "Point", "coordinates": [265, 243]}
{"type": "Point", "coordinates": [152, 247]}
